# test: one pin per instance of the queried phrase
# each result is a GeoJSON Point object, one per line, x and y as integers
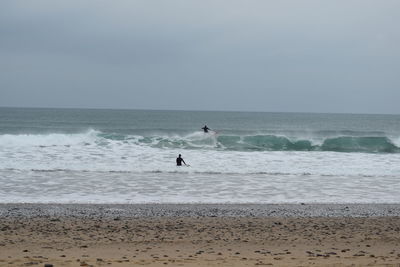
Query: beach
{"type": "Point", "coordinates": [199, 133]}
{"type": "Point", "coordinates": [283, 189]}
{"type": "Point", "coordinates": [200, 235]}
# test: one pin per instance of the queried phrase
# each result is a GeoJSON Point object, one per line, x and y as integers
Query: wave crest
{"type": "Point", "coordinates": [336, 144]}
{"type": "Point", "coordinates": [199, 140]}
{"type": "Point", "coordinates": [373, 144]}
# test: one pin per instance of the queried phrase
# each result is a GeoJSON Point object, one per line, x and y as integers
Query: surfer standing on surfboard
{"type": "Point", "coordinates": [205, 128]}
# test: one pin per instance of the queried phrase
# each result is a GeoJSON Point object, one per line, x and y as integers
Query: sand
{"type": "Point", "coordinates": [199, 235]}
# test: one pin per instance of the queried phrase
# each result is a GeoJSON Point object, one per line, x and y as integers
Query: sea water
{"type": "Point", "coordinates": [128, 156]}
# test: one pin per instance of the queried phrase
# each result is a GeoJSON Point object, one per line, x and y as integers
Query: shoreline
{"type": "Point", "coordinates": [200, 235]}
{"type": "Point", "coordinates": [198, 210]}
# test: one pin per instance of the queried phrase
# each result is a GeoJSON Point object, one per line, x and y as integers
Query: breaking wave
{"type": "Point", "coordinates": [336, 144]}
{"type": "Point", "coordinates": [199, 140]}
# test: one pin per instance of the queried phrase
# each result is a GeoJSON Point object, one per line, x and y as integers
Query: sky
{"type": "Point", "coordinates": [253, 55]}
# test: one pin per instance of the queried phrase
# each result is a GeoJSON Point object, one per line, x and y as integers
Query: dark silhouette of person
{"type": "Point", "coordinates": [179, 161]}
{"type": "Point", "coordinates": [205, 128]}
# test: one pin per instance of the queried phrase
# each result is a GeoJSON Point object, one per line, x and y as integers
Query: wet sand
{"type": "Point", "coordinates": [199, 235]}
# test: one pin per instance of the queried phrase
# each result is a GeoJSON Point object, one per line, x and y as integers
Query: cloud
{"type": "Point", "coordinates": [253, 55]}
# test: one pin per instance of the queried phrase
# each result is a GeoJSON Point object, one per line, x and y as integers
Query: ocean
{"type": "Point", "coordinates": [128, 156]}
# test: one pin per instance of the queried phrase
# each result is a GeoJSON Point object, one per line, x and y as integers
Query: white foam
{"type": "Point", "coordinates": [52, 139]}
{"type": "Point", "coordinates": [180, 187]}
{"type": "Point", "coordinates": [396, 141]}
{"type": "Point", "coordinates": [86, 168]}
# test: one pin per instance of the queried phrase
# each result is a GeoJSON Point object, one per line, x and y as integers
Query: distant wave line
{"type": "Point", "coordinates": [200, 140]}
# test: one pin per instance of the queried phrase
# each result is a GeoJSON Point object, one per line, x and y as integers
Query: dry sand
{"type": "Point", "coordinates": [65, 239]}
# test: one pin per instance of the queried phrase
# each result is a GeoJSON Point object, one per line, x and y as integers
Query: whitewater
{"type": "Point", "coordinates": [108, 156]}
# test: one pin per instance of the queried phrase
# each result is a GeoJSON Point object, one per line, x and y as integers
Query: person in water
{"type": "Point", "coordinates": [179, 161]}
{"type": "Point", "coordinates": [205, 128]}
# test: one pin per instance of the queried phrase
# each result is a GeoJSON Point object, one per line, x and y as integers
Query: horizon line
{"type": "Point", "coordinates": [194, 110]}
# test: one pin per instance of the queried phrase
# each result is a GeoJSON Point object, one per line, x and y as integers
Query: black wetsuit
{"type": "Point", "coordinates": [179, 161]}
{"type": "Point", "coordinates": [205, 128]}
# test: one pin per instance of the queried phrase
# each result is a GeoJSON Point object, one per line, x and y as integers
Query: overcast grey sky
{"type": "Point", "coordinates": [306, 56]}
